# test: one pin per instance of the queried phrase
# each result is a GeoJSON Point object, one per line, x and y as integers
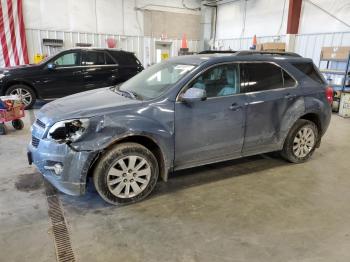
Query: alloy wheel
{"type": "Point", "coordinates": [24, 95]}
{"type": "Point", "coordinates": [303, 142]}
{"type": "Point", "coordinates": [128, 176]}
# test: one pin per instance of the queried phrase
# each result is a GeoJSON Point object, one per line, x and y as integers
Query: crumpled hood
{"type": "Point", "coordinates": [87, 104]}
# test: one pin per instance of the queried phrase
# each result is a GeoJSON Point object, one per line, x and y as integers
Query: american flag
{"type": "Point", "coordinates": [13, 45]}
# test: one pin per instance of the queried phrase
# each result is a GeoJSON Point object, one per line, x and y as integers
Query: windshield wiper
{"type": "Point", "coordinates": [130, 94]}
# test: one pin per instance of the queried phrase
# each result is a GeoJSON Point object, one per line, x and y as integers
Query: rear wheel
{"type": "Point", "coordinates": [26, 94]}
{"type": "Point", "coordinates": [300, 142]}
{"type": "Point", "coordinates": [2, 129]}
{"type": "Point", "coordinates": [126, 174]}
{"type": "Point", "coordinates": [17, 124]}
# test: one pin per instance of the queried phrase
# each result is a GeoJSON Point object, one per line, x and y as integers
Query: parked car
{"type": "Point", "coordinates": [185, 112]}
{"type": "Point", "coordinates": [69, 72]}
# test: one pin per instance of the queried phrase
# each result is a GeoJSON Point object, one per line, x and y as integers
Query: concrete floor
{"type": "Point", "coordinates": [254, 209]}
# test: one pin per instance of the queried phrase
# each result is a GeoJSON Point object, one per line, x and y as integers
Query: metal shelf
{"type": "Point", "coordinates": [333, 72]}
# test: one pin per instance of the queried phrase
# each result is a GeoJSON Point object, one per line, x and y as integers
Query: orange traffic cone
{"type": "Point", "coordinates": [184, 42]}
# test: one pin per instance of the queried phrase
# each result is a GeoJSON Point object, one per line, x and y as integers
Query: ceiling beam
{"type": "Point", "coordinates": [294, 16]}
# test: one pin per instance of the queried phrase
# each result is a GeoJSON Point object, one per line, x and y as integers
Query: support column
{"type": "Point", "coordinates": [293, 23]}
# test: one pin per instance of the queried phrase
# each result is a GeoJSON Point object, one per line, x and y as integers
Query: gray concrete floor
{"type": "Point", "coordinates": [253, 209]}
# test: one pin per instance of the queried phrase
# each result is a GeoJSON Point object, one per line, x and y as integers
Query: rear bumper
{"type": "Point", "coordinates": [75, 165]}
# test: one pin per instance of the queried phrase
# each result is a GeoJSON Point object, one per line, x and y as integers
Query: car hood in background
{"type": "Point", "coordinates": [18, 68]}
{"type": "Point", "coordinates": [86, 104]}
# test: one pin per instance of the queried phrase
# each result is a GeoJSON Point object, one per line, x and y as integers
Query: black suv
{"type": "Point", "coordinates": [68, 72]}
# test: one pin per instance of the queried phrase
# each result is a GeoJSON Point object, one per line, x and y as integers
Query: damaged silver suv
{"type": "Point", "coordinates": [185, 112]}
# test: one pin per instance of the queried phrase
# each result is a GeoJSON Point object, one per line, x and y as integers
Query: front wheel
{"type": "Point", "coordinates": [26, 94]}
{"type": "Point", "coordinates": [126, 174]}
{"type": "Point", "coordinates": [301, 141]}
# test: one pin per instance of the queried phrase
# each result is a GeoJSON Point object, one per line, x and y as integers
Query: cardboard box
{"type": "Point", "coordinates": [344, 108]}
{"type": "Point", "coordinates": [335, 52]}
{"type": "Point", "coordinates": [271, 46]}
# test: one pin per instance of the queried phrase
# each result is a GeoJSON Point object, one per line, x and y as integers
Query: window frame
{"type": "Point", "coordinates": [63, 54]}
{"type": "Point", "coordinates": [281, 68]}
{"type": "Point", "coordinates": [185, 87]}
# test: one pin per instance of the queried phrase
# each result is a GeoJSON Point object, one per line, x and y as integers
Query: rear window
{"type": "Point", "coordinates": [309, 70]}
{"type": "Point", "coordinates": [125, 58]}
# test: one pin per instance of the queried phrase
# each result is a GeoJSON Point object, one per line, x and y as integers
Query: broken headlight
{"type": "Point", "coordinates": [68, 130]}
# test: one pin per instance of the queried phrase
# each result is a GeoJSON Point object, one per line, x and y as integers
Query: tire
{"type": "Point", "coordinates": [301, 141]}
{"type": "Point", "coordinates": [2, 129]}
{"type": "Point", "coordinates": [28, 94]}
{"type": "Point", "coordinates": [139, 173]}
{"type": "Point", "coordinates": [18, 124]}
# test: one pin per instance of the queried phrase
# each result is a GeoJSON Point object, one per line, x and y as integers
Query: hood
{"type": "Point", "coordinates": [87, 104]}
{"type": "Point", "coordinates": [18, 68]}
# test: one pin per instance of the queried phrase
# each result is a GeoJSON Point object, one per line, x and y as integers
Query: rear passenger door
{"type": "Point", "coordinates": [270, 92]}
{"type": "Point", "coordinates": [100, 69]}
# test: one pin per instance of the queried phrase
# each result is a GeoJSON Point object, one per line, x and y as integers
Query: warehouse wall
{"type": "Point", "coordinates": [264, 17]}
{"type": "Point", "coordinates": [117, 17]}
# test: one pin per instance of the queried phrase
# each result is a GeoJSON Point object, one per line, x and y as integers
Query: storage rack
{"type": "Point", "coordinates": [332, 69]}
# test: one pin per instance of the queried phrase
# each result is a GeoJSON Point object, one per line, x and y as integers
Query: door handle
{"type": "Point", "coordinates": [235, 107]}
{"type": "Point", "coordinates": [290, 96]}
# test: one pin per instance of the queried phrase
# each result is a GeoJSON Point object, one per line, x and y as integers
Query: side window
{"type": "Point", "coordinates": [109, 60]}
{"type": "Point", "coordinates": [222, 80]}
{"type": "Point", "coordinates": [288, 81]}
{"type": "Point", "coordinates": [68, 59]}
{"type": "Point", "coordinates": [309, 70]}
{"type": "Point", "coordinates": [125, 59]}
{"type": "Point", "coordinates": [261, 76]}
{"type": "Point", "coordinates": [94, 58]}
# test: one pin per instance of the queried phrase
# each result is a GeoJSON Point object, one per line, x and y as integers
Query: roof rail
{"type": "Point", "coordinates": [276, 53]}
{"type": "Point", "coordinates": [217, 52]}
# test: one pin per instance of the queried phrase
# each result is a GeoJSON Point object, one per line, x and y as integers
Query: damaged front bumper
{"type": "Point", "coordinates": [65, 168]}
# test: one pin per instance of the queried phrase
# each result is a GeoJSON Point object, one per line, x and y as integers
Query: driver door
{"type": "Point", "coordinates": [211, 130]}
{"type": "Point", "coordinates": [65, 78]}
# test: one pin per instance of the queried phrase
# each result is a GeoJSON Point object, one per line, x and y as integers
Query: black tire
{"type": "Point", "coordinates": [2, 129]}
{"type": "Point", "coordinates": [111, 160]}
{"type": "Point", "coordinates": [12, 90]}
{"type": "Point", "coordinates": [18, 124]}
{"type": "Point", "coordinates": [288, 153]}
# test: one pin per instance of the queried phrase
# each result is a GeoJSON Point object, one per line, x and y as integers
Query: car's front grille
{"type": "Point", "coordinates": [40, 123]}
{"type": "Point", "coordinates": [35, 141]}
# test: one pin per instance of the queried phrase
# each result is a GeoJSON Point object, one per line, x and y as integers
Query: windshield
{"type": "Point", "coordinates": [156, 79]}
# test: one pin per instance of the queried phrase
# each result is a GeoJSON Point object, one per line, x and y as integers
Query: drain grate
{"type": "Point", "coordinates": [64, 251]}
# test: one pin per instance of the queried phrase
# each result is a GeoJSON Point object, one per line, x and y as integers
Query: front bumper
{"type": "Point", "coordinates": [45, 154]}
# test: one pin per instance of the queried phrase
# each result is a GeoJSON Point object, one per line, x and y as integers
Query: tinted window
{"type": "Point", "coordinates": [68, 59]}
{"type": "Point", "coordinates": [288, 81]}
{"type": "Point", "coordinates": [125, 58]}
{"type": "Point", "coordinates": [109, 60]}
{"type": "Point", "coordinates": [94, 58]}
{"type": "Point", "coordinates": [309, 70]}
{"type": "Point", "coordinates": [261, 76]}
{"type": "Point", "coordinates": [221, 80]}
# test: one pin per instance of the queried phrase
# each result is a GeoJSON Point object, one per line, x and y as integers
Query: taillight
{"type": "Point", "coordinates": [329, 95]}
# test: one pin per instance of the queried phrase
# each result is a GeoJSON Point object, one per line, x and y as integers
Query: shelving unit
{"type": "Point", "coordinates": [334, 65]}
{"type": "Point", "coordinates": [336, 69]}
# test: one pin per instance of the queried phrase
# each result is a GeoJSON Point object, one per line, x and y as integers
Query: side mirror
{"type": "Point", "coordinates": [51, 66]}
{"type": "Point", "coordinates": [193, 95]}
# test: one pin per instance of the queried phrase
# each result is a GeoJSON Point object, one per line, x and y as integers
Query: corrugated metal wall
{"type": "Point", "coordinates": [143, 47]}
{"type": "Point", "coordinates": [307, 45]}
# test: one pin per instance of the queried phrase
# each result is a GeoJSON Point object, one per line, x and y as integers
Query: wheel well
{"type": "Point", "coordinates": [315, 119]}
{"type": "Point", "coordinates": [11, 83]}
{"type": "Point", "coordinates": [146, 142]}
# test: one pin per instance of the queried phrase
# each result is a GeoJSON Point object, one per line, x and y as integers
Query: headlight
{"type": "Point", "coordinates": [68, 130]}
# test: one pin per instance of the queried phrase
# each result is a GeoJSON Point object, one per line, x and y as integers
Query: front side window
{"type": "Point", "coordinates": [68, 59]}
{"type": "Point", "coordinates": [156, 79]}
{"type": "Point", "coordinates": [261, 76]}
{"type": "Point", "coordinates": [222, 80]}
{"type": "Point", "coordinates": [94, 58]}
